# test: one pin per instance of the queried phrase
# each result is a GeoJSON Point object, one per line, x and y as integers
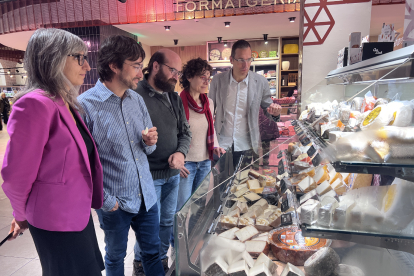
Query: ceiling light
{"type": "Point", "coordinates": [11, 76]}
{"type": "Point", "coordinates": [122, 1]}
{"type": "Point", "coordinates": [292, 19]}
{"type": "Point", "coordinates": [17, 71]}
{"type": "Point", "coordinates": [225, 43]}
{"type": "Point", "coordinates": [219, 39]}
{"type": "Point", "coordinates": [167, 28]}
{"type": "Point", "coordinates": [8, 72]}
{"type": "Point", "coordinates": [175, 41]}
{"type": "Point", "coordinates": [265, 38]}
{"type": "Point", "coordinates": [227, 24]}
{"type": "Point", "coordinates": [25, 76]}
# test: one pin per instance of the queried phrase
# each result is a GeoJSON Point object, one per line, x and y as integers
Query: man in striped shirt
{"type": "Point", "coordinates": [120, 124]}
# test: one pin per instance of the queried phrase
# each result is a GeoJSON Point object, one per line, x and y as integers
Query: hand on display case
{"type": "Point", "coordinates": [219, 151]}
{"type": "Point", "coordinates": [150, 136]}
{"type": "Point", "coordinates": [176, 160]}
{"type": "Point", "coordinates": [274, 109]}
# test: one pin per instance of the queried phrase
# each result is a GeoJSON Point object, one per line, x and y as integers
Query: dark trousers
{"type": "Point", "coordinates": [265, 150]}
{"type": "Point", "coordinates": [146, 227]}
{"type": "Point", "coordinates": [247, 159]}
{"type": "Point", "coordinates": [5, 116]}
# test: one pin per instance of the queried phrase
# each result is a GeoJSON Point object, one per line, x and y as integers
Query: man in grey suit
{"type": "Point", "coordinates": [237, 95]}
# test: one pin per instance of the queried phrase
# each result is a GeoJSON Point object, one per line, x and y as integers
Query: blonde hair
{"type": "Point", "coordinates": [44, 61]}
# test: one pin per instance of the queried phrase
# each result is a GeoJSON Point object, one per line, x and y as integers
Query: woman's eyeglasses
{"type": "Point", "coordinates": [205, 79]}
{"type": "Point", "coordinates": [81, 58]}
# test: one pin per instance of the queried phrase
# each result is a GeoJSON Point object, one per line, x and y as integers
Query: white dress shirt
{"type": "Point", "coordinates": [236, 128]}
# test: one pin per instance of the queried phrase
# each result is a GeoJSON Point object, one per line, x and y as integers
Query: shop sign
{"type": "Point", "coordinates": [190, 6]}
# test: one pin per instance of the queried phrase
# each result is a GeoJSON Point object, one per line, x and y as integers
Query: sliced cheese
{"type": "Point", "coordinates": [239, 268]}
{"type": "Point", "coordinates": [246, 233]}
{"type": "Point", "coordinates": [235, 213]}
{"type": "Point", "coordinates": [229, 222]}
{"type": "Point", "coordinates": [345, 177]}
{"type": "Point", "coordinates": [359, 180]}
{"type": "Point", "coordinates": [253, 184]}
{"type": "Point", "coordinates": [263, 203]}
{"type": "Point", "coordinates": [255, 248]}
{"type": "Point", "coordinates": [242, 175]}
{"type": "Point", "coordinates": [257, 191]}
{"type": "Point", "coordinates": [323, 188]}
{"type": "Point", "coordinates": [263, 259]}
{"type": "Point", "coordinates": [241, 192]}
{"type": "Point", "coordinates": [252, 196]}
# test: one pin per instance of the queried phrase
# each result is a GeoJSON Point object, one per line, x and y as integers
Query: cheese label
{"type": "Point", "coordinates": [285, 205]}
{"type": "Point", "coordinates": [293, 236]}
{"type": "Point", "coordinates": [281, 167]}
{"type": "Point", "coordinates": [283, 186]}
{"type": "Point", "coordinates": [311, 151]}
{"type": "Point", "coordinates": [372, 116]}
{"type": "Point", "coordinates": [316, 160]}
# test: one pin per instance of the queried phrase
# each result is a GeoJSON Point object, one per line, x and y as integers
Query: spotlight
{"type": "Point", "coordinates": [8, 72]}
{"type": "Point", "coordinates": [122, 1]}
{"type": "Point", "coordinates": [225, 43]}
{"type": "Point", "coordinates": [219, 39]}
{"type": "Point", "coordinates": [175, 41]}
{"type": "Point", "coordinates": [25, 76]}
{"type": "Point", "coordinates": [265, 38]}
{"type": "Point", "coordinates": [292, 19]}
{"type": "Point", "coordinates": [11, 76]}
{"type": "Point", "coordinates": [227, 24]}
{"type": "Point", "coordinates": [167, 28]}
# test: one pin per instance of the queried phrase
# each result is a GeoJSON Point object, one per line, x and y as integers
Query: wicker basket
{"type": "Point", "coordinates": [289, 100]}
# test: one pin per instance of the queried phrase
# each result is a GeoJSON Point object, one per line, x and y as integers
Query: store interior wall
{"type": "Point", "coordinates": [319, 60]}
{"type": "Point", "coordinates": [388, 14]}
{"type": "Point", "coordinates": [147, 50]}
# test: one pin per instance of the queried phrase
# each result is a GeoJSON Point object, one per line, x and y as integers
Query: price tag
{"type": "Point", "coordinates": [280, 167]}
{"type": "Point", "coordinates": [305, 141]}
{"type": "Point", "coordinates": [285, 205]}
{"type": "Point", "coordinates": [311, 151]}
{"type": "Point", "coordinates": [286, 219]}
{"type": "Point", "coordinates": [316, 160]}
{"type": "Point", "coordinates": [283, 186]}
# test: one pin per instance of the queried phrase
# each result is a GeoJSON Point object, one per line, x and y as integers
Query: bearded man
{"type": "Point", "coordinates": [167, 114]}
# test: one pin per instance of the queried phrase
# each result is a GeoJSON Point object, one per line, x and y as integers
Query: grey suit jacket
{"type": "Point", "coordinates": [258, 95]}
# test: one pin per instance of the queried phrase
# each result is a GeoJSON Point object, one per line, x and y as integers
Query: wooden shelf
{"type": "Point", "coordinates": [290, 70]}
{"type": "Point", "coordinates": [290, 54]}
{"type": "Point", "coordinates": [288, 86]}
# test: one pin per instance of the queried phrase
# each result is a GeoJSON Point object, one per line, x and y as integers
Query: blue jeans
{"type": "Point", "coordinates": [198, 171]}
{"type": "Point", "coordinates": [167, 192]}
{"type": "Point", "coordinates": [116, 226]}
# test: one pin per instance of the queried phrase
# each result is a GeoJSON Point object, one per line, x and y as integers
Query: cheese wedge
{"type": "Point", "coordinates": [242, 175]}
{"type": "Point", "coordinates": [307, 184]}
{"type": "Point", "coordinates": [229, 234]}
{"type": "Point", "coordinates": [309, 171]}
{"type": "Point", "coordinates": [241, 186]}
{"type": "Point", "coordinates": [255, 248]}
{"type": "Point", "coordinates": [246, 233]}
{"type": "Point", "coordinates": [261, 270]}
{"type": "Point", "coordinates": [253, 184]}
{"type": "Point", "coordinates": [263, 259]}
{"type": "Point", "coordinates": [334, 178]}
{"type": "Point", "coordinates": [229, 222]}
{"type": "Point", "coordinates": [252, 196]}
{"type": "Point", "coordinates": [235, 213]}
{"type": "Point", "coordinates": [267, 180]}
{"type": "Point", "coordinates": [246, 221]}
{"type": "Point", "coordinates": [321, 174]}
{"type": "Point", "coordinates": [218, 268]}
{"type": "Point", "coordinates": [248, 258]}
{"type": "Point", "coordinates": [263, 203]}
{"type": "Point", "coordinates": [257, 191]}
{"type": "Point", "coordinates": [339, 186]}
{"type": "Point", "coordinates": [323, 188]}
{"type": "Point", "coordinates": [345, 177]}
{"type": "Point", "coordinates": [254, 174]}
{"type": "Point", "coordinates": [241, 192]}
{"type": "Point", "coordinates": [359, 180]}
{"type": "Point", "coordinates": [239, 268]}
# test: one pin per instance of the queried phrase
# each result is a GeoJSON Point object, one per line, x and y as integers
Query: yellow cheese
{"type": "Point", "coordinates": [359, 180]}
{"type": "Point", "coordinates": [307, 184]}
{"type": "Point", "coordinates": [241, 186]}
{"type": "Point", "coordinates": [339, 186]}
{"type": "Point", "coordinates": [323, 188]}
{"type": "Point", "coordinates": [254, 174]}
{"type": "Point", "coordinates": [335, 177]}
{"type": "Point", "coordinates": [253, 184]}
{"type": "Point", "coordinates": [241, 192]}
{"type": "Point", "coordinates": [257, 191]}
{"type": "Point", "coordinates": [242, 175]}
{"type": "Point", "coordinates": [345, 177]}
{"type": "Point", "coordinates": [267, 180]}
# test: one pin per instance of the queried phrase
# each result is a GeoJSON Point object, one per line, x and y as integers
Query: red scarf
{"type": "Point", "coordinates": [189, 102]}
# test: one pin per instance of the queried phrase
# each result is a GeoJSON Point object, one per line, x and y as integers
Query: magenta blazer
{"type": "Point", "coordinates": [46, 170]}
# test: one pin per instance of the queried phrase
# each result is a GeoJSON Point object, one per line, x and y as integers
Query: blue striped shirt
{"type": "Point", "coordinates": [116, 127]}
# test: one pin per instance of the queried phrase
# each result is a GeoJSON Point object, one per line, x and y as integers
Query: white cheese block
{"type": "Point", "coordinates": [325, 215]}
{"type": "Point", "coordinates": [242, 206]}
{"type": "Point", "coordinates": [246, 233]}
{"type": "Point", "coordinates": [241, 186]}
{"type": "Point", "coordinates": [229, 234]}
{"type": "Point", "coordinates": [322, 263]}
{"type": "Point", "coordinates": [262, 202]}
{"type": "Point", "coordinates": [261, 270]}
{"type": "Point", "coordinates": [341, 214]}
{"type": "Point", "coordinates": [345, 177]}
{"type": "Point", "coordinates": [311, 195]}
{"type": "Point", "coordinates": [245, 221]}
{"type": "Point", "coordinates": [291, 270]}
{"type": "Point", "coordinates": [339, 186]}
{"type": "Point", "coordinates": [321, 174]}
{"type": "Point", "coordinates": [330, 168]}
{"type": "Point", "coordinates": [218, 268]}
{"type": "Point", "coordinates": [372, 219]}
{"type": "Point", "coordinates": [331, 195]}
{"type": "Point", "coordinates": [262, 237]}
{"type": "Point", "coordinates": [235, 213]}
{"type": "Point", "coordinates": [398, 204]}
{"type": "Point", "coordinates": [323, 188]}
{"type": "Point", "coordinates": [359, 180]}
{"type": "Point", "coordinates": [242, 175]}
{"type": "Point", "coordinates": [307, 184]}
{"type": "Point", "coordinates": [309, 213]}
{"type": "Point", "coordinates": [253, 184]}
{"type": "Point", "coordinates": [255, 248]}
{"type": "Point", "coordinates": [263, 259]}
{"type": "Point", "coordinates": [238, 268]}
{"type": "Point", "coordinates": [355, 218]}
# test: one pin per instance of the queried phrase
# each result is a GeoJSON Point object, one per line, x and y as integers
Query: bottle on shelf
{"type": "Point", "coordinates": [283, 81]}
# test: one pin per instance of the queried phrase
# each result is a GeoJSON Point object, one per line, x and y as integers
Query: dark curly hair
{"type": "Point", "coordinates": [194, 67]}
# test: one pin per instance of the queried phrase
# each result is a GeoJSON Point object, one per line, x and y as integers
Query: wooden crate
{"type": "Point", "coordinates": [292, 79]}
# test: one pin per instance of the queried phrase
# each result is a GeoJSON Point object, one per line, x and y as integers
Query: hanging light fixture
{"type": "Point", "coordinates": [292, 19]}
{"type": "Point", "coordinates": [175, 41]}
{"type": "Point", "coordinates": [167, 28]}
{"type": "Point", "coordinates": [219, 39]}
{"type": "Point", "coordinates": [265, 38]}
{"type": "Point", "coordinates": [227, 24]}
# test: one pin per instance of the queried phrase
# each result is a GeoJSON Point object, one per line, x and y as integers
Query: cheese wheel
{"type": "Point", "coordinates": [380, 116]}
{"type": "Point", "coordinates": [288, 245]}
{"type": "Point", "coordinates": [322, 263]}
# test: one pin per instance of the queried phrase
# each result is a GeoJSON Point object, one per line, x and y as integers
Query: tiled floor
{"type": "Point", "coordinates": [19, 257]}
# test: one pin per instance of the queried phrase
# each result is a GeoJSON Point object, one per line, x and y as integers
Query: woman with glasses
{"type": "Point", "coordinates": [199, 112]}
{"type": "Point", "coordinates": [51, 169]}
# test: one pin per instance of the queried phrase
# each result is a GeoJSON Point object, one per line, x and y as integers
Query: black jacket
{"type": "Point", "coordinates": [174, 133]}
